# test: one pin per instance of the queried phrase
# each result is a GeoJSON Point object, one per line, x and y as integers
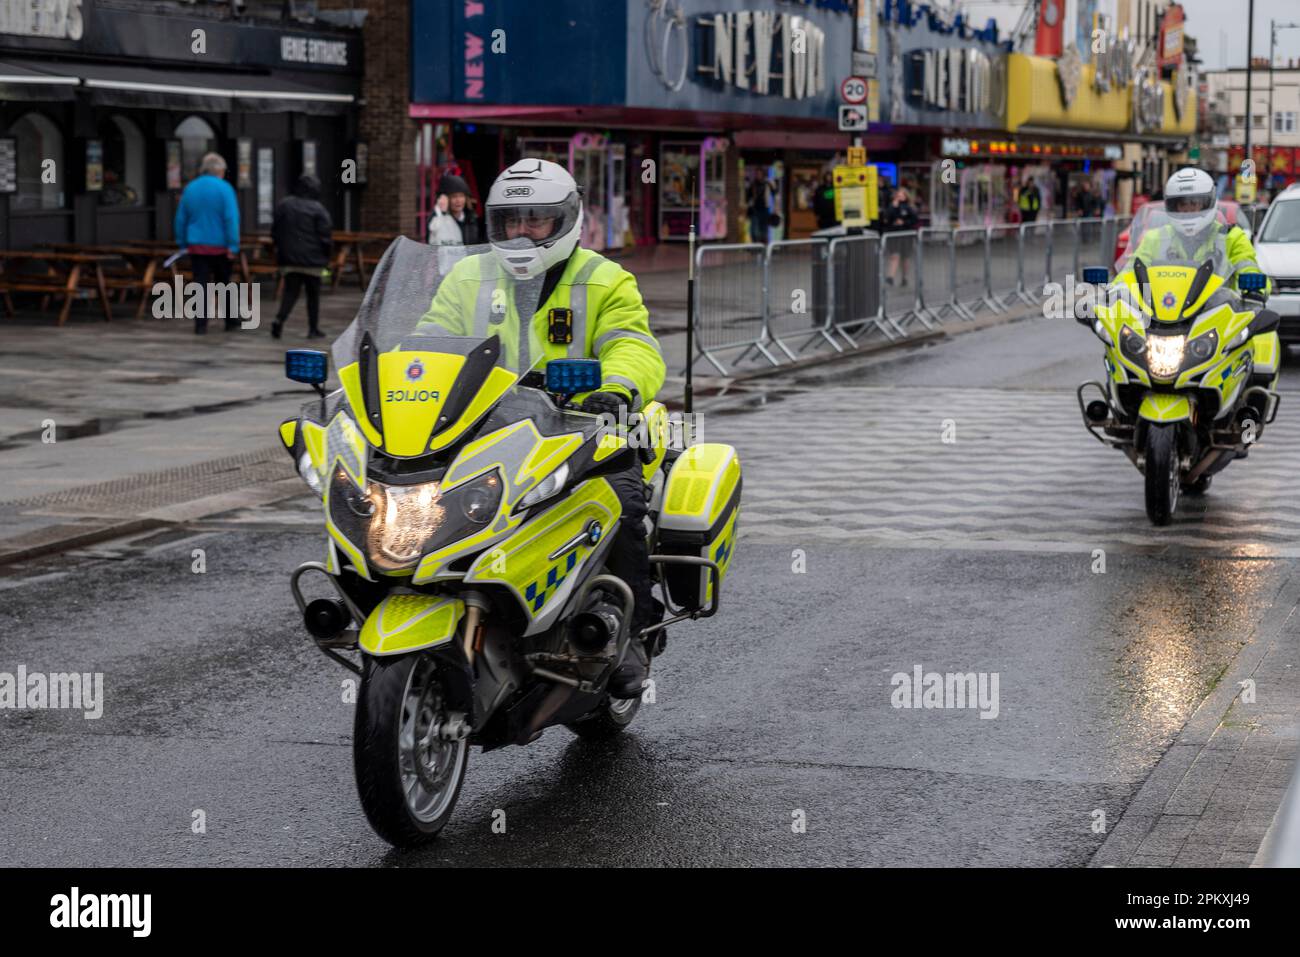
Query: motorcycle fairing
{"type": "Point", "coordinates": [1164, 407]}
{"type": "Point", "coordinates": [523, 563]}
{"type": "Point", "coordinates": [403, 623]}
{"type": "Point", "coordinates": [657, 428]}
{"type": "Point", "coordinates": [345, 451]}
{"type": "Point", "coordinates": [524, 458]}
{"type": "Point", "coordinates": [426, 393]}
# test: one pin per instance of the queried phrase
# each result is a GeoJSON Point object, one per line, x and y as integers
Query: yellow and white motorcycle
{"type": "Point", "coordinates": [1191, 364]}
{"type": "Point", "coordinates": [469, 519]}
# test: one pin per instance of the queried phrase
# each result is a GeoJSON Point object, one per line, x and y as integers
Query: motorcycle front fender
{"type": "Point", "coordinates": [1163, 408]}
{"type": "Point", "coordinates": [404, 623]}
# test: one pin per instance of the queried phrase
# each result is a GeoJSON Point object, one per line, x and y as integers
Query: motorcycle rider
{"type": "Point", "coordinates": [1193, 234]}
{"type": "Point", "coordinates": [589, 308]}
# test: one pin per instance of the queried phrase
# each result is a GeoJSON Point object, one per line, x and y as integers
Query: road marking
{"type": "Point", "coordinates": [867, 465]}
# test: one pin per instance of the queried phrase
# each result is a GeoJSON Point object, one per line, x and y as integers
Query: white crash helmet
{"type": "Point", "coordinates": [1190, 201]}
{"type": "Point", "coordinates": [525, 200]}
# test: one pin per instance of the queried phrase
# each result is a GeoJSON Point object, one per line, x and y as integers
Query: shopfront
{"type": "Point", "coordinates": [104, 118]}
{"type": "Point", "coordinates": [1118, 101]}
{"type": "Point", "coordinates": [941, 78]}
{"type": "Point", "coordinates": [667, 114]}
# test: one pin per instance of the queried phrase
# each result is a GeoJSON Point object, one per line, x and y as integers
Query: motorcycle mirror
{"type": "Point", "coordinates": [306, 365]}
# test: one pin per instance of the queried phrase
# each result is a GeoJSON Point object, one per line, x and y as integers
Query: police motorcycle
{"type": "Point", "coordinates": [1191, 365]}
{"type": "Point", "coordinates": [468, 518]}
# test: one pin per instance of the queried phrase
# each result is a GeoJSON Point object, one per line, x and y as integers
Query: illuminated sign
{"type": "Point", "coordinates": [996, 149]}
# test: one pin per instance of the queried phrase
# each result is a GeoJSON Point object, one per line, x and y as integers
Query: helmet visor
{"type": "Point", "coordinates": [534, 225]}
{"type": "Point", "coordinates": [1192, 203]}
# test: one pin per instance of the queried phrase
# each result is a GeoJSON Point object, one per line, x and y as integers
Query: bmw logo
{"type": "Point", "coordinates": [1168, 301]}
{"type": "Point", "coordinates": [415, 371]}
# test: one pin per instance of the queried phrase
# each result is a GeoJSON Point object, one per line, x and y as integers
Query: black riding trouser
{"type": "Point", "coordinates": [629, 556]}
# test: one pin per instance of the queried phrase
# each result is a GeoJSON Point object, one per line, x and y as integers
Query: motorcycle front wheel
{"type": "Point", "coordinates": [407, 777]}
{"type": "Point", "coordinates": [1161, 470]}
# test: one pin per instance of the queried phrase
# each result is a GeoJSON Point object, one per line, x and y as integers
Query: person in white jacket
{"type": "Point", "coordinates": [453, 222]}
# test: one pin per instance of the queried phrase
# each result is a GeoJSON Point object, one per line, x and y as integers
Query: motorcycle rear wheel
{"type": "Point", "coordinates": [408, 779]}
{"type": "Point", "coordinates": [1161, 471]}
{"type": "Point", "coordinates": [607, 719]}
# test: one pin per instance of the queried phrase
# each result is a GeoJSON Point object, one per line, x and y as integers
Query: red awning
{"type": "Point", "coordinates": [628, 117]}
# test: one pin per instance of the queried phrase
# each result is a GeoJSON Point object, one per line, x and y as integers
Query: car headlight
{"type": "Point", "coordinates": [549, 486]}
{"type": "Point", "coordinates": [308, 472]}
{"type": "Point", "coordinates": [400, 523]}
{"type": "Point", "coordinates": [1165, 355]}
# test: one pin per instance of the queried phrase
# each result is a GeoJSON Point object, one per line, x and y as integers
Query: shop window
{"type": "Point", "coordinates": [124, 163]}
{"type": "Point", "coordinates": [197, 137]}
{"type": "Point", "coordinates": [38, 140]}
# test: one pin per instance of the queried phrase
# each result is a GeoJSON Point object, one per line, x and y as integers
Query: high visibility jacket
{"type": "Point", "coordinates": [1165, 243]}
{"type": "Point", "coordinates": [1029, 200]}
{"type": "Point", "coordinates": [609, 320]}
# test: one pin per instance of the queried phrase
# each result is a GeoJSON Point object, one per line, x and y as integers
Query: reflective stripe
{"type": "Point", "coordinates": [484, 302]}
{"type": "Point", "coordinates": [628, 384]}
{"type": "Point", "coordinates": [578, 303]}
{"type": "Point", "coordinates": [622, 334]}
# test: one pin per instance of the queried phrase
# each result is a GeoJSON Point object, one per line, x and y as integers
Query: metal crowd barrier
{"type": "Point", "coordinates": [779, 301]}
{"type": "Point", "coordinates": [796, 283]}
{"type": "Point", "coordinates": [1005, 258]}
{"type": "Point", "coordinates": [854, 284]}
{"type": "Point", "coordinates": [730, 299]}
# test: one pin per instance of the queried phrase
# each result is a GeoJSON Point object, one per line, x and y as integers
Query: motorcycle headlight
{"type": "Point", "coordinates": [308, 472]}
{"type": "Point", "coordinates": [401, 523]}
{"type": "Point", "coordinates": [1132, 345]}
{"type": "Point", "coordinates": [405, 517]}
{"type": "Point", "coordinates": [1165, 355]}
{"type": "Point", "coordinates": [1202, 347]}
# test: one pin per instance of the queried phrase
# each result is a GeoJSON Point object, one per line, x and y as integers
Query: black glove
{"type": "Point", "coordinates": [601, 403]}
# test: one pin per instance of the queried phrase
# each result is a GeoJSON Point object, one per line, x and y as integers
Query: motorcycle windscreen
{"type": "Point", "coordinates": [1171, 258]}
{"type": "Point", "coordinates": [441, 336]}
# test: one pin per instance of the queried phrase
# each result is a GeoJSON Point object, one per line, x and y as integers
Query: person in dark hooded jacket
{"type": "Point", "coordinates": [301, 231]}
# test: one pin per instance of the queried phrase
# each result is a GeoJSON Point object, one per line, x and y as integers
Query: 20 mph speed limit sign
{"type": "Point", "coordinates": [853, 90]}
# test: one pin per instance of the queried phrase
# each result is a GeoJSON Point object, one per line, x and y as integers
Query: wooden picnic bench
{"type": "Point", "coordinates": [350, 249]}
{"type": "Point", "coordinates": [140, 269]}
{"type": "Point", "coordinates": [62, 277]}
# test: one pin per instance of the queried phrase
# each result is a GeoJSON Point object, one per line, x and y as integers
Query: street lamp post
{"type": "Point", "coordinates": [1250, 62]}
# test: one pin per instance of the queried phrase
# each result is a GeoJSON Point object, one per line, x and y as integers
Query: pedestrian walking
{"type": "Point", "coordinates": [1030, 201]}
{"type": "Point", "coordinates": [454, 222]}
{"type": "Point", "coordinates": [207, 225]}
{"type": "Point", "coordinates": [898, 218]}
{"type": "Point", "coordinates": [824, 202]}
{"type": "Point", "coordinates": [760, 216]}
{"type": "Point", "coordinates": [301, 231]}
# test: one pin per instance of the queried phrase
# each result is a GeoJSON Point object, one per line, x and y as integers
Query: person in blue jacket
{"type": "Point", "coordinates": [207, 224]}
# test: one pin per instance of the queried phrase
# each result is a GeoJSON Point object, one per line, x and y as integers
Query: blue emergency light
{"type": "Point", "coordinates": [571, 376]}
{"type": "Point", "coordinates": [1096, 275]}
{"type": "Point", "coordinates": [1251, 281]}
{"type": "Point", "coordinates": [306, 365]}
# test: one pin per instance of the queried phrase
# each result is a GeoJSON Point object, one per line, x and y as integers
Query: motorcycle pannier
{"type": "Point", "coordinates": [701, 502]}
